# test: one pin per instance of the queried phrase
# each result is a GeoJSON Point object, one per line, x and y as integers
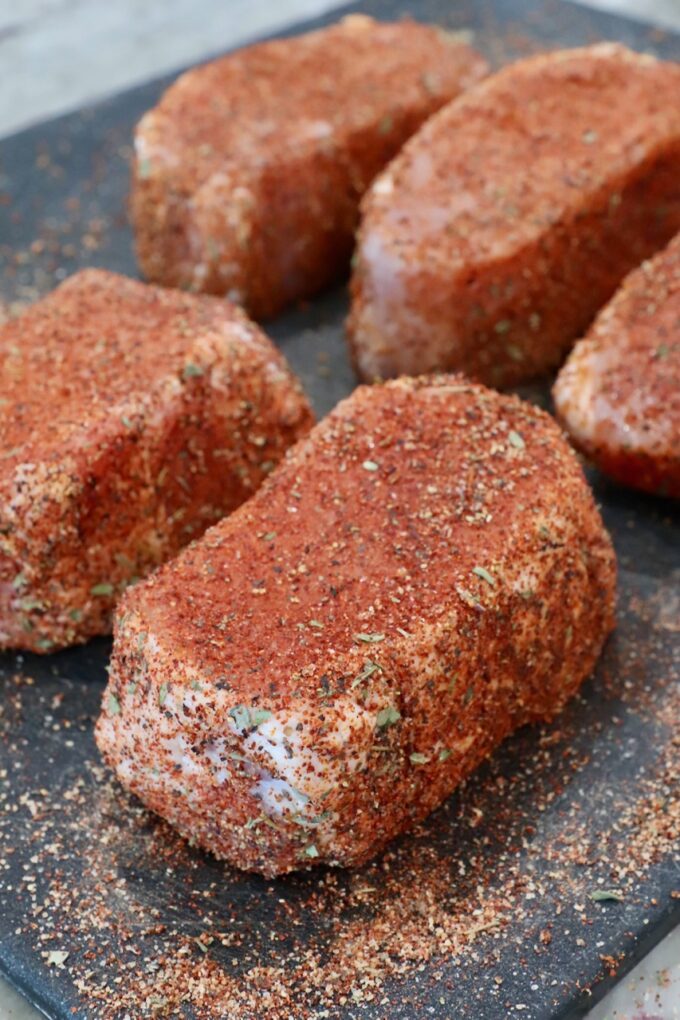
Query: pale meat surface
{"type": "Point", "coordinates": [510, 218]}
{"type": "Point", "coordinates": [248, 173]}
{"type": "Point", "coordinates": [618, 395]}
{"type": "Point", "coordinates": [131, 418]}
{"type": "Point", "coordinates": [425, 572]}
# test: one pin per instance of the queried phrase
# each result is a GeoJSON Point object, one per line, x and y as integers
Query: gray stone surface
{"type": "Point", "coordinates": [57, 55]}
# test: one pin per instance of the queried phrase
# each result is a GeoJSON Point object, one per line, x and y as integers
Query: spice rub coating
{"type": "Point", "coordinates": [509, 219]}
{"type": "Point", "coordinates": [131, 418]}
{"type": "Point", "coordinates": [618, 395]}
{"type": "Point", "coordinates": [422, 574]}
{"type": "Point", "coordinates": [248, 173]}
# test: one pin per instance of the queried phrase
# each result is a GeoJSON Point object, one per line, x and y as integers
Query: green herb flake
{"type": "Point", "coordinates": [131, 688]}
{"type": "Point", "coordinates": [19, 581]}
{"type": "Point", "coordinates": [269, 536]}
{"type": "Point", "coordinates": [310, 851]}
{"type": "Point", "coordinates": [191, 371]}
{"type": "Point", "coordinates": [249, 718]}
{"type": "Point", "coordinates": [662, 351]}
{"type": "Point", "coordinates": [503, 326]}
{"type": "Point", "coordinates": [387, 717]}
{"type": "Point", "coordinates": [144, 169]}
{"type": "Point", "coordinates": [468, 597]}
{"type": "Point", "coordinates": [418, 759]}
{"type": "Point", "coordinates": [589, 137]}
{"type": "Point", "coordinates": [607, 895]}
{"type": "Point", "coordinates": [126, 421]}
{"type": "Point", "coordinates": [369, 639]}
{"type": "Point", "coordinates": [75, 614]}
{"type": "Point", "coordinates": [445, 753]}
{"type": "Point", "coordinates": [114, 705]}
{"type": "Point", "coordinates": [485, 575]}
{"type": "Point", "coordinates": [317, 624]}
{"type": "Point", "coordinates": [163, 694]}
{"type": "Point", "coordinates": [386, 125]}
{"type": "Point", "coordinates": [241, 716]}
{"type": "Point", "coordinates": [259, 716]}
{"type": "Point", "coordinates": [369, 669]}
{"type": "Point", "coordinates": [516, 440]}
{"type": "Point", "coordinates": [195, 686]}
{"type": "Point", "coordinates": [370, 465]}
{"type": "Point", "coordinates": [103, 589]}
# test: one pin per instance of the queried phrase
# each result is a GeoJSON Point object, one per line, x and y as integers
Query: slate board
{"type": "Point", "coordinates": [486, 910]}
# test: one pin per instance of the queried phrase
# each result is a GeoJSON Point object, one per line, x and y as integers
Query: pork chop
{"type": "Point", "coordinates": [424, 573]}
{"type": "Point", "coordinates": [510, 218]}
{"type": "Point", "coordinates": [248, 173]}
{"type": "Point", "coordinates": [618, 395]}
{"type": "Point", "coordinates": [131, 418]}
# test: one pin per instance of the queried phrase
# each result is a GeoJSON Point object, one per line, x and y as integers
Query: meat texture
{"type": "Point", "coordinates": [424, 573]}
{"type": "Point", "coordinates": [618, 395]}
{"type": "Point", "coordinates": [131, 418]}
{"type": "Point", "coordinates": [506, 222]}
{"type": "Point", "coordinates": [248, 174]}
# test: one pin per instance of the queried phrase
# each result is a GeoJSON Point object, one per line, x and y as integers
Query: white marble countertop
{"type": "Point", "coordinates": [57, 55]}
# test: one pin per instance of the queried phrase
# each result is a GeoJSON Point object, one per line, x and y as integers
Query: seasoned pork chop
{"type": "Point", "coordinates": [509, 219]}
{"type": "Point", "coordinates": [131, 418]}
{"type": "Point", "coordinates": [248, 173]}
{"type": "Point", "coordinates": [618, 395]}
{"type": "Point", "coordinates": [424, 573]}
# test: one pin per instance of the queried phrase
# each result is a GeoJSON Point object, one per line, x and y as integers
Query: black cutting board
{"type": "Point", "coordinates": [486, 910]}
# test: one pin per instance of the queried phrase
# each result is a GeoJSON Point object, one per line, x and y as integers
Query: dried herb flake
{"type": "Point", "coordinates": [191, 371]}
{"type": "Point", "coordinates": [606, 895]}
{"type": "Point", "coordinates": [387, 717]}
{"type": "Point", "coordinates": [485, 575]}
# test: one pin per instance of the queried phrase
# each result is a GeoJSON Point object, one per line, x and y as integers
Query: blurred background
{"type": "Point", "coordinates": [57, 55]}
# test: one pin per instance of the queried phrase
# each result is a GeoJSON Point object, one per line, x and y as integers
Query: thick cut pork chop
{"type": "Point", "coordinates": [248, 173]}
{"type": "Point", "coordinates": [131, 418]}
{"type": "Point", "coordinates": [508, 220]}
{"type": "Point", "coordinates": [421, 575]}
{"type": "Point", "coordinates": [618, 395]}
